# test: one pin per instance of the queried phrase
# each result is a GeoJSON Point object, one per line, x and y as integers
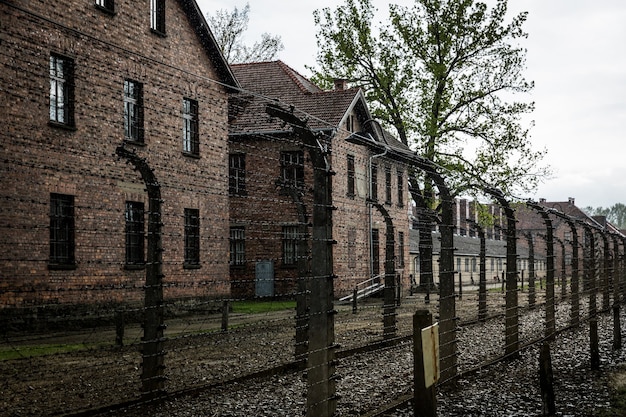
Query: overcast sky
{"type": "Point", "coordinates": [576, 56]}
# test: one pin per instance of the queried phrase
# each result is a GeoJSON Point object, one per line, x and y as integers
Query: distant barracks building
{"type": "Point", "coordinates": [80, 79]}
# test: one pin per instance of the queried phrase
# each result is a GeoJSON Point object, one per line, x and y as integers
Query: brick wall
{"type": "Point", "coordinates": [37, 159]}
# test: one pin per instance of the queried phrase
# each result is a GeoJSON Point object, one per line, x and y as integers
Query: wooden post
{"type": "Point", "coordinates": [425, 401]}
{"type": "Point", "coordinates": [225, 312]}
{"type": "Point", "coordinates": [119, 328]}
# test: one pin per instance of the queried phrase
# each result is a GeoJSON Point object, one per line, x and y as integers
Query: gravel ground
{"type": "Point", "coordinates": [370, 380]}
{"type": "Point", "coordinates": [197, 356]}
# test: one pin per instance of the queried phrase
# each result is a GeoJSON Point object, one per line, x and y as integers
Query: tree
{"type": "Point", "coordinates": [229, 27]}
{"type": "Point", "coordinates": [444, 74]}
{"type": "Point", "coordinates": [616, 214]}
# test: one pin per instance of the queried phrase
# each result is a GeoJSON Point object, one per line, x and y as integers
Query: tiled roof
{"type": "Point", "coordinates": [275, 80]}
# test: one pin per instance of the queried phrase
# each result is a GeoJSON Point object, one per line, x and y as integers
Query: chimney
{"type": "Point", "coordinates": [340, 83]}
{"type": "Point", "coordinates": [542, 200]}
{"type": "Point", "coordinates": [570, 200]}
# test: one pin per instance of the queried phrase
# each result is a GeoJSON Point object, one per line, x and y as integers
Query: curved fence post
{"type": "Point", "coordinates": [152, 374]}
{"type": "Point", "coordinates": [550, 318]}
{"type": "Point", "coordinates": [389, 292]}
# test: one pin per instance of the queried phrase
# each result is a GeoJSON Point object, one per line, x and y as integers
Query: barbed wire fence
{"type": "Point", "coordinates": [128, 335]}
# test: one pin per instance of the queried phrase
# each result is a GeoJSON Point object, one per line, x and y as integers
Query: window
{"type": "Point", "coordinates": [473, 264]}
{"type": "Point", "coordinates": [401, 249]}
{"type": "Point", "coordinates": [133, 111]}
{"type": "Point", "coordinates": [157, 16]}
{"type": "Point", "coordinates": [351, 176]}
{"type": "Point", "coordinates": [352, 248]}
{"type": "Point", "coordinates": [467, 268]}
{"type": "Point", "coordinates": [61, 230]}
{"type": "Point", "coordinates": [61, 90]}
{"type": "Point", "coordinates": [458, 264]}
{"type": "Point", "coordinates": [400, 189]}
{"type": "Point", "coordinates": [351, 123]}
{"type": "Point", "coordinates": [107, 5]}
{"type": "Point", "coordinates": [375, 252]}
{"type": "Point", "coordinates": [134, 233]}
{"type": "Point", "coordinates": [191, 141]}
{"type": "Point", "coordinates": [292, 168]}
{"type": "Point", "coordinates": [192, 237]}
{"type": "Point", "coordinates": [290, 245]}
{"type": "Point", "coordinates": [387, 185]}
{"type": "Point", "coordinates": [237, 174]}
{"type": "Point", "coordinates": [237, 246]}
{"type": "Point", "coordinates": [374, 182]}
{"type": "Point", "coordinates": [492, 264]}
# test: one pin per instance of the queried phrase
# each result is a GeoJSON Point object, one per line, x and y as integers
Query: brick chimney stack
{"type": "Point", "coordinates": [340, 83]}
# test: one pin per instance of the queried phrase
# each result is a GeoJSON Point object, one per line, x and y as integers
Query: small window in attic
{"type": "Point", "coordinates": [351, 123]}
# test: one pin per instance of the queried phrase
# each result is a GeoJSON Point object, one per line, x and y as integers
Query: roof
{"type": "Point", "coordinates": [277, 81]}
{"type": "Point", "coordinates": [469, 246]}
{"type": "Point", "coordinates": [201, 27]}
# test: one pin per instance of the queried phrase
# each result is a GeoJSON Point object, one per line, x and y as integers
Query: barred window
{"type": "Point", "coordinates": [133, 111]}
{"type": "Point", "coordinates": [134, 232]}
{"type": "Point", "coordinates": [290, 245]}
{"type": "Point", "coordinates": [237, 246]}
{"type": "Point", "coordinates": [237, 174]}
{"type": "Point", "coordinates": [192, 237]}
{"type": "Point", "coordinates": [401, 249]}
{"type": "Point", "coordinates": [292, 168]}
{"type": "Point", "coordinates": [374, 182]}
{"type": "Point", "coordinates": [350, 173]}
{"type": "Point", "coordinates": [157, 16]}
{"type": "Point", "coordinates": [191, 137]}
{"type": "Point", "coordinates": [62, 229]}
{"type": "Point", "coordinates": [400, 188]}
{"type": "Point", "coordinates": [108, 5]}
{"type": "Point", "coordinates": [61, 90]}
{"type": "Point", "coordinates": [388, 185]}
{"type": "Point", "coordinates": [375, 252]}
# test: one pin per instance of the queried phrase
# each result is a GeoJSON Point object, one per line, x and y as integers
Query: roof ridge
{"type": "Point", "coordinates": [297, 78]}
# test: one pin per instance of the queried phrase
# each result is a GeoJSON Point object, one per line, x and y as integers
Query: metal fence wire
{"type": "Point", "coordinates": [286, 251]}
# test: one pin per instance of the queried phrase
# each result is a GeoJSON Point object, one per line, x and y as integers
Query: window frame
{"type": "Point", "coordinates": [350, 170]}
{"type": "Point", "coordinates": [62, 238]}
{"type": "Point", "coordinates": [191, 124]}
{"type": "Point", "coordinates": [388, 192]}
{"type": "Point", "coordinates": [290, 235]}
{"type": "Point", "coordinates": [106, 5]}
{"type": "Point", "coordinates": [133, 121]}
{"type": "Point", "coordinates": [237, 246]}
{"type": "Point", "coordinates": [400, 176]}
{"type": "Point", "coordinates": [134, 235]}
{"type": "Point", "coordinates": [192, 238]}
{"type": "Point", "coordinates": [292, 168]}
{"type": "Point", "coordinates": [237, 174]}
{"type": "Point", "coordinates": [157, 16]}
{"type": "Point", "coordinates": [61, 75]}
{"type": "Point", "coordinates": [374, 181]}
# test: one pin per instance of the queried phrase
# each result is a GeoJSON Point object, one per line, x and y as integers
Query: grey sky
{"type": "Point", "coordinates": [576, 56]}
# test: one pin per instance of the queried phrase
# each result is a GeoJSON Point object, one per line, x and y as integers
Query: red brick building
{"type": "Point", "coordinates": [266, 157]}
{"type": "Point", "coordinates": [80, 79]}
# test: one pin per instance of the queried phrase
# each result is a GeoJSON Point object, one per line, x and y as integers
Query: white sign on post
{"type": "Point", "coordinates": [430, 349]}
